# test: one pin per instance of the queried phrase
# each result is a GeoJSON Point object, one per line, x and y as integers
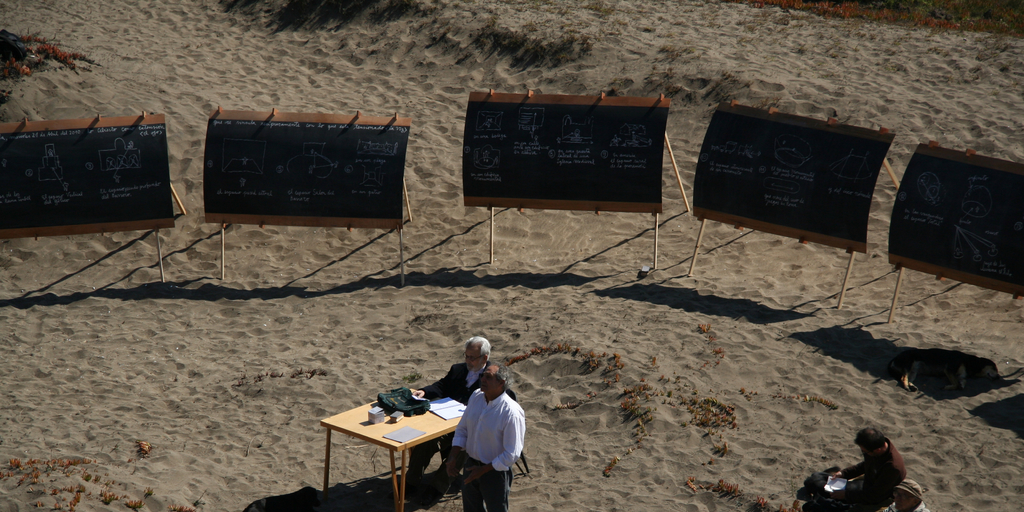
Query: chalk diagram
{"type": "Point", "coordinates": [51, 169]}
{"type": "Point", "coordinates": [577, 130]}
{"type": "Point", "coordinates": [374, 178]}
{"type": "Point", "coordinates": [120, 157]}
{"type": "Point", "coordinates": [487, 120]}
{"type": "Point", "coordinates": [486, 157]}
{"type": "Point", "coordinates": [369, 147]}
{"type": "Point", "coordinates": [792, 150]}
{"type": "Point", "coordinates": [732, 147]}
{"type": "Point", "coordinates": [748, 151]}
{"type": "Point", "coordinates": [312, 160]}
{"type": "Point", "coordinates": [930, 188]}
{"type": "Point", "coordinates": [727, 148]}
{"type": "Point", "coordinates": [852, 166]}
{"type": "Point", "coordinates": [631, 136]}
{"type": "Point", "coordinates": [781, 185]}
{"type": "Point", "coordinates": [531, 119]}
{"type": "Point", "coordinates": [243, 155]}
{"type": "Point", "coordinates": [977, 203]}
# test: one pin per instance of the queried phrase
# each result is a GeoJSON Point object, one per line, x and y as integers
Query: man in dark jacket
{"type": "Point", "coordinates": [881, 470]}
{"type": "Point", "coordinates": [460, 382]}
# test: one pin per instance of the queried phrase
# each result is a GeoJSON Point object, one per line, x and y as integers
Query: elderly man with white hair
{"type": "Point", "coordinates": [460, 382]}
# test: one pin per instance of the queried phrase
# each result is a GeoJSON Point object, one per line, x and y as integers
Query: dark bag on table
{"type": "Point", "coordinates": [401, 400]}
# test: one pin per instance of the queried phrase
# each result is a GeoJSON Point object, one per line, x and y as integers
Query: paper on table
{"type": "Point", "coordinates": [404, 434]}
{"type": "Point", "coordinates": [835, 484]}
{"type": "Point", "coordinates": [447, 408]}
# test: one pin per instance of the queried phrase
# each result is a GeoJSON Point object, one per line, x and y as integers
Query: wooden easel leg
{"type": "Point", "coordinates": [408, 205]}
{"type": "Point", "coordinates": [849, 269]}
{"type": "Point", "coordinates": [327, 467]}
{"type": "Point", "coordinates": [401, 253]}
{"type": "Point", "coordinates": [222, 226]}
{"type": "Point", "coordinates": [675, 168]}
{"type": "Point", "coordinates": [160, 256]}
{"type": "Point", "coordinates": [177, 199]}
{"type": "Point", "coordinates": [700, 236]}
{"type": "Point", "coordinates": [491, 208]}
{"type": "Point", "coordinates": [895, 295]}
{"type": "Point", "coordinates": [655, 267]}
{"type": "Point", "coordinates": [892, 175]}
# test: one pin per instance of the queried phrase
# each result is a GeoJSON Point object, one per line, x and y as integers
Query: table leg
{"type": "Point", "coordinates": [405, 461]}
{"type": "Point", "coordinates": [394, 483]}
{"type": "Point", "coordinates": [327, 465]}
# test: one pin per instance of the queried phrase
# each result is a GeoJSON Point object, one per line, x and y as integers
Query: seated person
{"type": "Point", "coordinates": [881, 469]}
{"type": "Point", "coordinates": [460, 382]}
{"type": "Point", "coordinates": [906, 497]}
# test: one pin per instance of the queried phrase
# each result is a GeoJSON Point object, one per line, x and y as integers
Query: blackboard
{"type": "Point", "coordinates": [789, 175]}
{"type": "Point", "coordinates": [564, 152]}
{"type": "Point", "coordinates": [78, 176]}
{"type": "Point", "coordinates": [961, 216]}
{"type": "Point", "coordinates": [305, 169]}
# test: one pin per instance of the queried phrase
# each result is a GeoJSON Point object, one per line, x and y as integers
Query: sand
{"type": "Point", "coordinates": [96, 353]}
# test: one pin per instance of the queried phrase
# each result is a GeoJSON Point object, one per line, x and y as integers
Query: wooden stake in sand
{"type": "Point", "coordinates": [160, 256]}
{"type": "Point", "coordinates": [222, 226]}
{"type": "Point", "coordinates": [655, 267]}
{"type": "Point", "coordinates": [405, 192]}
{"type": "Point", "coordinates": [181, 206]}
{"type": "Point", "coordinates": [849, 269]}
{"type": "Point", "coordinates": [696, 247]}
{"type": "Point", "coordinates": [892, 175]}
{"type": "Point", "coordinates": [675, 168]}
{"type": "Point", "coordinates": [401, 253]}
{"type": "Point", "coordinates": [896, 294]}
{"type": "Point", "coordinates": [491, 209]}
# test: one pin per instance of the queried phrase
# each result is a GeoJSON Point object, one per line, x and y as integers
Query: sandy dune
{"type": "Point", "coordinates": [97, 354]}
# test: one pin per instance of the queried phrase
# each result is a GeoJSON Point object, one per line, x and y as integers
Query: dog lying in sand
{"type": "Point", "coordinates": [302, 500]}
{"type": "Point", "coordinates": [937, 362]}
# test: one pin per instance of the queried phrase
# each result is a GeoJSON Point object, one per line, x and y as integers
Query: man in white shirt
{"type": "Point", "coordinates": [491, 432]}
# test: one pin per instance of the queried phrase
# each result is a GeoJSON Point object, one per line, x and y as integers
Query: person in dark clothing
{"type": "Point", "coordinates": [459, 384]}
{"type": "Point", "coordinates": [880, 471]}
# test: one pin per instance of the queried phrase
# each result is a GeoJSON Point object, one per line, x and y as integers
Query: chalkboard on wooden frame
{"type": "Point", "coordinates": [961, 215]}
{"type": "Point", "coordinates": [564, 152]}
{"type": "Point", "coordinates": [75, 176]}
{"type": "Point", "coordinates": [298, 169]}
{"type": "Point", "coordinates": [789, 175]}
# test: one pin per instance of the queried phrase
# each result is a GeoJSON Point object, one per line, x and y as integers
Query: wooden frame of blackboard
{"type": "Point", "coordinates": [803, 236]}
{"type": "Point", "coordinates": [280, 220]}
{"type": "Point", "coordinates": [529, 98]}
{"type": "Point", "coordinates": [830, 125]}
{"type": "Point", "coordinates": [969, 157]}
{"type": "Point", "coordinates": [26, 126]}
{"type": "Point", "coordinates": [224, 219]}
{"type": "Point", "coordinates": [82, 229]}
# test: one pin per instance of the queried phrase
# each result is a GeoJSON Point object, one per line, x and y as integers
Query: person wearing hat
{"type": "Point", "coordinates": [907, 498]}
